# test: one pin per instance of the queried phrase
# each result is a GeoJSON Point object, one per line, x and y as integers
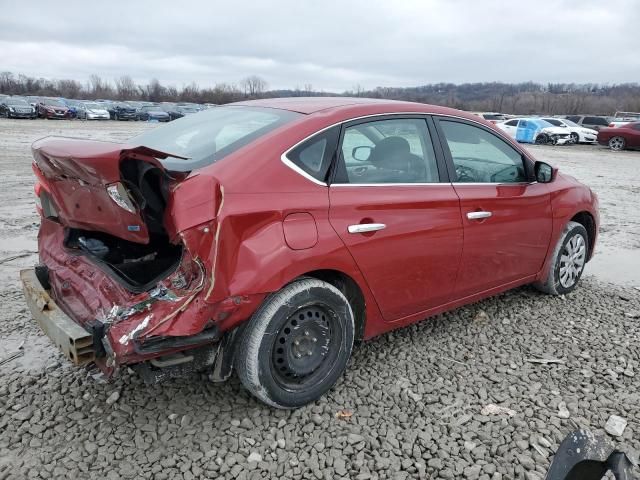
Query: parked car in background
{"type": "Point", "coordinates": [622, 137]}
{"type": "Point", "coordinates": [578, 134]}
{"type": "Point", "coordinates": [535, 130]}
{"type": "Point", "coordinates": [124, 111]}
{"type": "Point", "coordinates": [268, 235]}
{"type": "Point", "coordinates": [188, 109]}
{"type": "Point", "coordinates": [173, 110]}
{"type": "Point", "coordinates": [153, 113]}
{"type": "Point", "coordinates": [589, 121]}
{"type": "Point", "coordinates": [622, 118]}
{"type": "Point", "coordinates": [16, 107]}
{"type": "Point", "coordinates": [51, 108]}
{"type": "Point", "coordinates": [493, 117]}
{"type": "Point", "coordinates": [92, 111]}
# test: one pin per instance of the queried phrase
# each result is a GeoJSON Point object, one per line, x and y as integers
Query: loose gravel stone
{"type": "Point", "coordinates": [615, 425]}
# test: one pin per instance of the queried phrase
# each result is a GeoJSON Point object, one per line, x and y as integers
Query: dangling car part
{"type": "Point", "coordinates": [584, 456]}
{"type": "Point", "coordinates": [268, 236]}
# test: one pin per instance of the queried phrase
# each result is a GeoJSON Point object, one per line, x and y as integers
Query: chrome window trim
{"type": "Point", "coordinates": [388, 184]}
{"type": "Point", "coordinates": [285, 160]}
{"type": "Point", "coordinates": [493, 183]}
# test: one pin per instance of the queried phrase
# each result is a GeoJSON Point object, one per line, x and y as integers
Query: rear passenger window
{"type": "Point", "coordinates": [314, 155]}
{"type": "Point", "coordinates": [387, 151]}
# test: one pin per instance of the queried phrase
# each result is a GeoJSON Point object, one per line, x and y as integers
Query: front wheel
{"type": "Point", "coordinates": [617, 143]}
{"type": "Point", "coordinates": [298, 343]}
{"type": "Point", "coordinates": [574, 138]}
{"type": "Point", "coordinates": [542, 139]}
{"type": "Point", "coordinates": [569, 258]}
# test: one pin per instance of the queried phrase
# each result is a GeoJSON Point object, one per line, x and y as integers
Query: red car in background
{"type": "Point", "coordinates": [51, 108]}
{"type": "Point", "coordinates": [619, 138]}
{"type": "Point", "coordinates": [268, 235]}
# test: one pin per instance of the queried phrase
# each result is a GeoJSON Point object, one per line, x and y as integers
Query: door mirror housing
{"type": "Point", "coordinates": [544, 172]}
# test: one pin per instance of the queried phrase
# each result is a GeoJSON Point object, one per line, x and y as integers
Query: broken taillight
{"type": "Point", "coordinates": [120, 196]}
{"type": "Point", "coordinates": [44, 203]}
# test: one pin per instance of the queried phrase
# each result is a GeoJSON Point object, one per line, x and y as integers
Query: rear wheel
{"type": "Point", "coordinates": [617, 143]}
{"type": "Point", "coordinates": [298, 343]}
{"type": "Point", "coordinates": [569, 259]}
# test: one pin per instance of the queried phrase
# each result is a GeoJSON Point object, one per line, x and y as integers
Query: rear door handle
{"type": "Point", "coordinates": [478, 215]}
{"type": "Point", "coordinates": [366, 227]}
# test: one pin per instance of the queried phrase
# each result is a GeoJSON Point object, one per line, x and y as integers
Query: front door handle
{"type": "Point", "coordinates": [478, 215]}
{"type": "Point", "coordinates": [366, 227]}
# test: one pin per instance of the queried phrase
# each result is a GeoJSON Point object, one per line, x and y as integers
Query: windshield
{"type": "Point", "coordinates": [570, 123]}
{"type": "Point", "coordinates": [210, 135]}
{"type": "Point", "coordinates": [54, 103]}
{"type": "Point", "coordinates": [93, 106]}
{"type": "Point", "coordinates": [554, 122]}
{"type": "Point", "coordinates": [18, 102]}
{"type": "Point", "coordinates": [152, 109]}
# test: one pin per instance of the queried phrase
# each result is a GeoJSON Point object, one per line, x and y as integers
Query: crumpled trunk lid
{"type": "Point", "coordinates": [77, 175]}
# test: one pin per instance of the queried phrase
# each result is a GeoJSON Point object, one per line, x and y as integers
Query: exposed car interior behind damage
{"type": "Point", "coordinates": [136, 266]}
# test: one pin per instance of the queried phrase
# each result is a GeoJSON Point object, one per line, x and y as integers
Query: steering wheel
{"type": "Point", "coordinates": [465, 174]}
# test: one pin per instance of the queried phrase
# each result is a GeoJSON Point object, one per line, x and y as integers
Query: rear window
{"type": "Point", "coordinates": [211, 135]}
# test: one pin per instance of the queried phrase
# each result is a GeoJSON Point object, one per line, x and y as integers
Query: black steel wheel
{"type": "Point", "coordinates": [298, 343]}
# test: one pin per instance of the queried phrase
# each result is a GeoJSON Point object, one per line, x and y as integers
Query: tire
{"type": "Point", "coordinates": [563, 276]}
{"type": "Point", "coordinates": [115, 116]}
{"type": "Point", "coordinates": [575, 138]}
{"type": "Point", "coordinates": [297, 344]}
{"type": "Point", "coordinates": [542, 139]}
{"type": "Point", "coordinates": [617, 143]}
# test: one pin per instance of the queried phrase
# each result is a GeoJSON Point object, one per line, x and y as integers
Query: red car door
{"type": "Point", "coordinates": [400, 223]}
{"type": "Point", "coordinates": [633, 137]}
{"type": "Point", "coordinates": [506, 217]}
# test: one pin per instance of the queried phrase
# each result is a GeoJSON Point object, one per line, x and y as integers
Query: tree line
{"type": "Point", "coordinates": [516, 98]}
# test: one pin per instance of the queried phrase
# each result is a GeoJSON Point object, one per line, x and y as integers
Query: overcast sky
{"type": "Point", "coordinates": [332, 45]}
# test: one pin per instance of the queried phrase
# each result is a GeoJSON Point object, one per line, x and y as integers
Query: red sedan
{"type": "Point", "coordinates": [267, 236]}
{"type": "Point", "coordinates": [619, 138]}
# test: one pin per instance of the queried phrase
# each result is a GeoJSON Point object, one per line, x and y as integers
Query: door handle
{"type": "Point", "coordinates": [478, 215]}
{"type": "Point", "coordinates": [366, 227]}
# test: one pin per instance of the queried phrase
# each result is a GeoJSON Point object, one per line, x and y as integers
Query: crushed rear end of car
{"type": "Point", "coordinates": [127, 259]}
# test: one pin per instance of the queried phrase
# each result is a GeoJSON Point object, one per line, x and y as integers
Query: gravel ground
{"type": "Point", "coordinates": [411, 405]}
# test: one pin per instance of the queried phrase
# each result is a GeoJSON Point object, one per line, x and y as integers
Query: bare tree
{"type": "Point", "coordinates": [126, 88]}
{"type": "Point", "coordinates": [155, 91]}
{"type": "Point", "coordinates": [98, 87]}
{"type": "Point", "coordinates": [253, 86]}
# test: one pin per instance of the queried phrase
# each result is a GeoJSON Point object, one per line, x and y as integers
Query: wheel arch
{"type": "Point", "coordinates": [585, 219]}
{"type": "Point", "coordinates": [350, 288]}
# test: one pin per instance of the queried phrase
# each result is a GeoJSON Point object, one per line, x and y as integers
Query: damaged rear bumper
{"type": "Point", "coordinates": [73, 340]}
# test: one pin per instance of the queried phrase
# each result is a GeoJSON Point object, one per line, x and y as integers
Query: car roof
{"type": "Point", "coordinates": [310, 105]}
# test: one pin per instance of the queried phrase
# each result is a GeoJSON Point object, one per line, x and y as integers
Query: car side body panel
{"type": "Point", "coordinates": [247, 232]}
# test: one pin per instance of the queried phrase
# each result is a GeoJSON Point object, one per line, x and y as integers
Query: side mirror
{"type": "Point", "coordinates": [544, 172]}
{"type": "Point", "coordinates": [361, 153]}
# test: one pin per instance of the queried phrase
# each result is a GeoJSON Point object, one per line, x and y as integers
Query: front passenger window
{"type": "Point", "coordinates": [480, 156]}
